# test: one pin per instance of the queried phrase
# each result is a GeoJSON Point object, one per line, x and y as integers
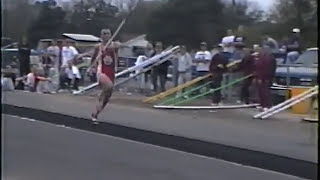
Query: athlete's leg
{"type": "Point", "coordinates": [106, 86]}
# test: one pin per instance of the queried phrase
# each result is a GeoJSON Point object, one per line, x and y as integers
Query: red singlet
{"type": "Point", "coordinates": [107, 62]}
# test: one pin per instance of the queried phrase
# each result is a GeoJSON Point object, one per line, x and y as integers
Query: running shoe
{"type": "Point", "coordinates": [94, 118]}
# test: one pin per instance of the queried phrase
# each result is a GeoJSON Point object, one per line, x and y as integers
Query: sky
{"type": "Point", "coordinates": [265, 4]}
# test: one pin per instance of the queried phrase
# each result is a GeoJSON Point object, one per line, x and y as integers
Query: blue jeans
{"type": "Point", "coordinates": [292, 57]}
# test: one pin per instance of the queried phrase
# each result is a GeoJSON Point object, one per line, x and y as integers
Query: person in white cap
{"type": "Point", "coordinates": [203, 59]}
{"type": "Point", "coordinates": [294, 46]}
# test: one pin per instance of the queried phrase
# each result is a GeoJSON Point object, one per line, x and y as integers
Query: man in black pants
{"type": "Point", "coordinates": [217, 67]}
{"type": "Point", "coordinates": [160, 71]}
{"type": "Point", "coordinates": [24, 56]}
{"type": "Point", "coordinates": [246, 66]}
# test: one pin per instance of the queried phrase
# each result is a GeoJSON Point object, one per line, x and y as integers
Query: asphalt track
{"type": "Point", "coordinates": [215, 151]}
{"type": "Point", "coordinates": [34, 150]}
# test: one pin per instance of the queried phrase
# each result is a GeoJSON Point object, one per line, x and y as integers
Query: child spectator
{"type": "Point", "coordinates": [32, 79]}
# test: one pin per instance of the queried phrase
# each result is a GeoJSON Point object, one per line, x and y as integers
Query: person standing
{"type": "Point", "coordinates": [228, 44]}
{"type": "Point", "coordinates": [202, 59]}
{"type": "Point", "coordinates": [55, 52]}
{"type": "Point", "coordinates": [147, 75]}
{"type": "Point", "coordinates": [246, 67]}
{"type": "Point", "coordinates": [234, 90]}
{"type": "Point", "coordinates": [264, 70]}
{"type": "Point", "coordinates": [24, 56]}
{"type": "Point", "coordinates": [69, 53]}
{"type": "Point", "coordinates": [73, 76]}
{"type": "Point", "coordinates": [294, 46]}
{"type": "Point", "coordinates": [267, 40]}
{"type": "Point", "coordinates": [159, 71]}
{"type": "Point", "coordinates": [218, 66]}
{"type": "Point", "coordinates": [184, 66]}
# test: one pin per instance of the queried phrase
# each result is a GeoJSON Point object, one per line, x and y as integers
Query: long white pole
{"type": "Point", "coordinates": [146, 69]}
{"type": "Point", "coordinates": [134, 68]}
{"type": "Point", "coordinates": [285, 102]}
{"type": "Point", "coordinates": [289, 105]}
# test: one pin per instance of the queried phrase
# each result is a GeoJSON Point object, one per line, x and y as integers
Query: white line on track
{"type": "Point", "coordinates": [160, 147]}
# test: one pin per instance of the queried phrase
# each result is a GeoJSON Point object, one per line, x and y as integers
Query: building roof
{"type": "Point", "coordinates": [82, 37]}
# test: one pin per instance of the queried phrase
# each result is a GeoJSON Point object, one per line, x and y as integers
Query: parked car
{"type": "Point", "coordinates": [304, 72]}
{"type": "Point", "coordinates": [9, 57]}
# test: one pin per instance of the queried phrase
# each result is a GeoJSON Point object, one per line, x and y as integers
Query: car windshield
{"type": "Point", "coordinates": [308, 58]}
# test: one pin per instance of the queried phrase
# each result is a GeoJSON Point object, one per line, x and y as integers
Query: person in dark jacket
{"type": "Point", "coordinates": [218, 66]}
{"type": "Point", "coordinates": [160, 71]}
{"type": "Point", "coordinates": [246, 66]}
{"type": "Point", "coordinates": [264, 71]}
{"type": "Point", "coordinates": [24, 56]}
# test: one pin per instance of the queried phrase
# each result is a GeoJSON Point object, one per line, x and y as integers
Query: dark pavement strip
{"type": "Point", "coordinates": [232, 154]}
{"type": "Point", "coordinates": [35, 150]}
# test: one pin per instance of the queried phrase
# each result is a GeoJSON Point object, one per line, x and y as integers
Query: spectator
{"type": "Point", "coordinates": [273, 44]}
{"type": "Point", "coordinates": [234, 90]}
{"type": "Point", "coordinates": [218, 66]}
{"type": "Point", "coordinates": [160, 71]}
{"type": "Point", "coordinates": [228, 44]}
{"type": "Point", "coordinates": [202, 59]}
{"type": "Point", "coordinates": [240, 35]}
{"type": "Point", "coordinates": [294, 46]}
{"type": "Point", "coordinates": [148, 53]}
{"type": "Point", "coordinates": [32, 79]}
{"type": "Point", "coordinates": [46, 63]}
{"type": "Point", "coordinates": [73, 76]}
{"type": "Point", "coordinates": [149, 50]}
{"type": "Point", "coordinates": [55, 52]}
{"type": "Point", "coordinates": [246, 67]}
{"type": "Point", "coordinates": [141, 77]}
{"type": "Point", "coordinates": [69, 53]}
{"type": "Point", "coordinates": [264, 71]}
{"type": "Point", "coordinates": [24, 56]}
{"type": "Point", "coordinates": [184, 66]}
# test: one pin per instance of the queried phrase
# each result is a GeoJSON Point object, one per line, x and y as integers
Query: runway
{"type": "Point", "coordinates": [280, 148]}
{"type": "Point", "coordinates": [34, 150]}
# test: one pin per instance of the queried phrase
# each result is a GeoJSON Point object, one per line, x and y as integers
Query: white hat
{"type": "Point", "coordinates": [296, 30]}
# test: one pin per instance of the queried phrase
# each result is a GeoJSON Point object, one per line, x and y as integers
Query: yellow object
{"type": "Point", "coordinates": [175, 89]}
{"type": "Point", "coordinates": [182, 86]}
{"type": "Point", "coordinates": [304, 106]}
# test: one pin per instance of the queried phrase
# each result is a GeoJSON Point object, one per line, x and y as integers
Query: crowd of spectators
{"type": "Point", "coordinates": [58, 72]}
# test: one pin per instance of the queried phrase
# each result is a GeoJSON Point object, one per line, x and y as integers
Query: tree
{"type": "Point", "coordinates": [90, 16]}
{"type": "Point", "coordinates": [289, 14]}
{"type": "Point", "coordinates": [187, 22]}
{"type": "Point", "coordinates": [17, 15]}
{"type": "Point", "coordinates": [136, 23]}
{"type": "Point", "coordinates": [49, 23]}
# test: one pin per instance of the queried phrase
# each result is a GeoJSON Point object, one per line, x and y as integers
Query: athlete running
{"type": "Point", "coordinates": [104, 58]}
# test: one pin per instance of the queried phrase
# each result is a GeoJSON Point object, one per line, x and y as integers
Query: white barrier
{"type": "Point", "coordinates": [150, 61]}
{"type": "Point", "coordinates": [206, 107]}
{"type": "Point", "coordinates": [289, 105]}
{"type": "Point", "coordinates": [286, 102]}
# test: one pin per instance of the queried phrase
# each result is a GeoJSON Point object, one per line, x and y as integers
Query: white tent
{"type": "Point", "coordinates": [139, 41]}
